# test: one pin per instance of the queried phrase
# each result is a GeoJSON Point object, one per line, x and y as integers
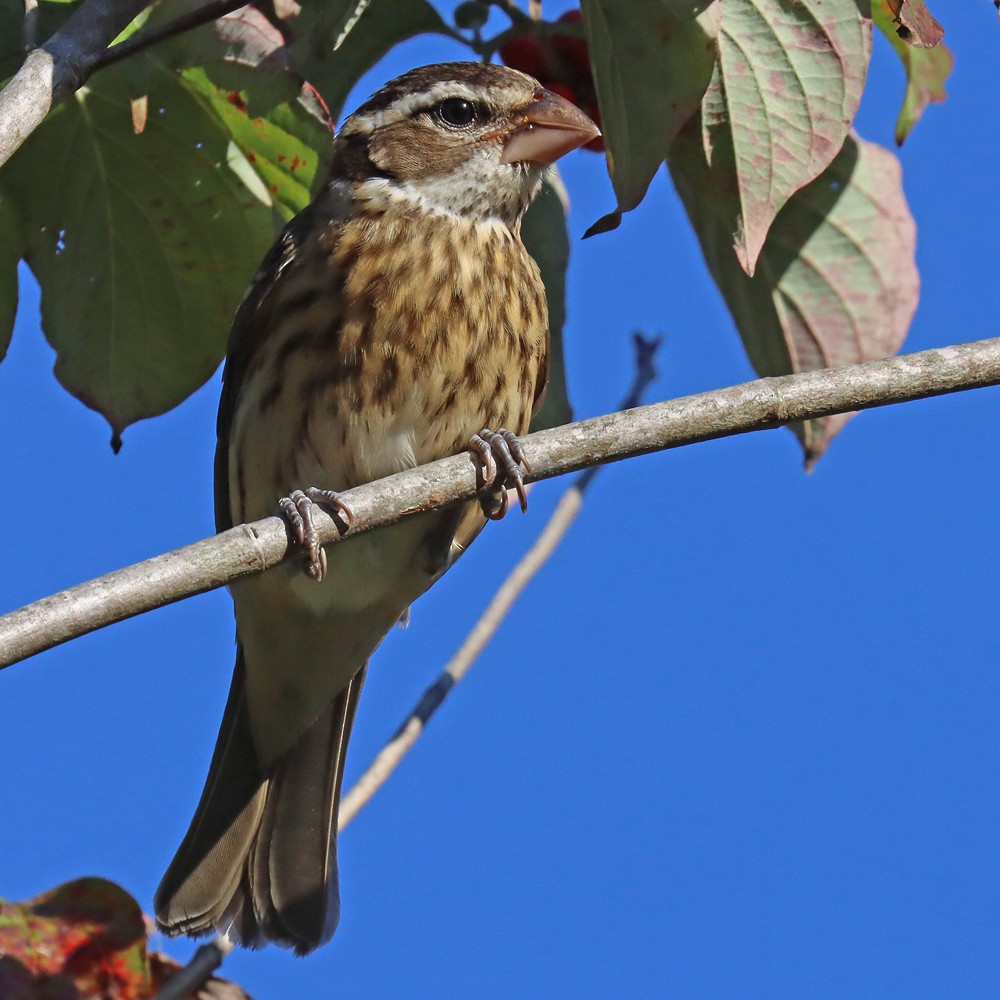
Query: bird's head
{"type": "Point", "coordinates": [465, 139]}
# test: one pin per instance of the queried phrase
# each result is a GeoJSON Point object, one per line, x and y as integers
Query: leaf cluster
{"type": "Point", "coordinates": [144, 202]}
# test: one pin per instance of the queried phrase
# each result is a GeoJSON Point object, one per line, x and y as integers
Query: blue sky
{"type": "Point", "coordinates": [739, 738]}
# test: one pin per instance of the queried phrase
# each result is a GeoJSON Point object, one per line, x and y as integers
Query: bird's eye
{"type": "Point", "coordinates": [457, 112]}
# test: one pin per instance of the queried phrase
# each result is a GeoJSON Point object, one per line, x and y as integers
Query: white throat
{"type": "Point", "coordinates": [482, 190]}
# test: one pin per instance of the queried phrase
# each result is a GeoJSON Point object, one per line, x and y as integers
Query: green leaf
{"type": "Point", "coordinates": [277, 156]}
{"type": "Point", "coordinates": [837, 280]}
{"type": "Point", "coordinates": [241, 52]}
{"type": "Point", "coordinates": [780, 105]}
{"type": "Point", "coordinates": [142, 249]}
{"type": "Point", "coordinates": [652, 60]}
{"type": "Point", "coordinates": [927, 69]}
{"type": "Point", "coordinates": [547, 239]}
{"type": "Point", "coordinates": [238, 67]}
{"type": "Point", "coordinates": [334, 42]}
{"type": "Point", "coordinates": [170, 315]}
{"type": "Point", "coordinates": [11, 251]}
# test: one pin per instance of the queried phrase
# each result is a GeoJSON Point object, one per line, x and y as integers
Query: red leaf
{"type": "Point", "coordinates": [89, 933]}
{"type": "Point", "coordinates": [916, 25]}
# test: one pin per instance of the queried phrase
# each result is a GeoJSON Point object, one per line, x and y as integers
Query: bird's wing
{"type": "Point", "coordinates": [254, 321]}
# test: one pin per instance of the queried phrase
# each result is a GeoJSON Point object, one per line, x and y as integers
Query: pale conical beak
{"type": "Point", "coordinates": [546, 129]}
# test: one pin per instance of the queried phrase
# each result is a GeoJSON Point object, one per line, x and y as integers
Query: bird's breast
{"type": "Point", "coordinates": [408, 337]}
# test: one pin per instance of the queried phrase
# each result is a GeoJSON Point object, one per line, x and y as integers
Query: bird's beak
{"type": "Point", "coordinates": [545, 129]}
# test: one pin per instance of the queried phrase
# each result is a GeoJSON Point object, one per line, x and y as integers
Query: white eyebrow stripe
{"type": "Point", "coordinates": [404, 107]}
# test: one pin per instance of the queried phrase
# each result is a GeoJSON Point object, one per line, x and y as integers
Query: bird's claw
{"type": "Point", "coordinates": [298, 509]}
{"type": "Point", "coordinates": [498, 456]}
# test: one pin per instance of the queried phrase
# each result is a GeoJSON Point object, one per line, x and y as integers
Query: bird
{"type": "Point", "coordinates": [398, 319]}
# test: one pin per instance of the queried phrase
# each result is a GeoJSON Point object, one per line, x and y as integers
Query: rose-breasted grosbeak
{"type": "Point", "coordinates": [395, 318]}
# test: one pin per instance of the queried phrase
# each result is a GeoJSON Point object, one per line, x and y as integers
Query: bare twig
{"type": "Point", "coordinates": [252, 548]}
{"type": "Point", "coordinates": [29, 31]}
{"type": "Point", "coordinates": [398, 746]}
{"type": "Point", "coordinates": [211, 11]}
{"type": "Point", "coordinates": [51, 73]}
{"type": "Point", "coordinates": [187, 981]}
{"type": "Point", "coordinates": [645, 374]}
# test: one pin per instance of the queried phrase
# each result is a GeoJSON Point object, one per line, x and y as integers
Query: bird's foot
{"type": "Point", "coordinates": [498, 457]}
{"type": "Point", "coordinates": [298, 508]}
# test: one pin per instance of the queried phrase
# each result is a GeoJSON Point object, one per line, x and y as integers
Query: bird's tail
{"type": "Point", "coordinates": [259, 861]}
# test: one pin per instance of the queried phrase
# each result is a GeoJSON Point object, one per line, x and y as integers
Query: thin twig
{"type": "Point", "coordinates": [399, 745]}
{"type": "Point", "coordinates": [29, 31]}
{"type": "Point", "coordinates": [211, 11]}
{"type": "Point", "coordinates": [187, 981]}
{"type": "Point", "coordinates": [741, 409]}
{"type": "Point", "coordinates": [645, 374]}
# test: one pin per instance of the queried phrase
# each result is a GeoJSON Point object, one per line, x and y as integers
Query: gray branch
{"type": "Point", "coordinates": [54, 71]}
{"type": "Point", "coordinates": [252, 548]}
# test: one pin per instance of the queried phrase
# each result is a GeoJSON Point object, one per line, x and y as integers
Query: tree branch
{"type": "Point", "coordinates": [252, 548]}
{"type": "Point", "coordinates": [54, 71]}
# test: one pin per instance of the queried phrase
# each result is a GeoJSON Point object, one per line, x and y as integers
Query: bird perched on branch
{"type": "Point", "coordinates": [397, 320]}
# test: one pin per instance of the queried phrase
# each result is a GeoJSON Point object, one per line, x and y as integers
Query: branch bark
{"type": "Point", "coordinates": [55, 70]}
{"type": "Point", "coordinates": [252, 548]}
